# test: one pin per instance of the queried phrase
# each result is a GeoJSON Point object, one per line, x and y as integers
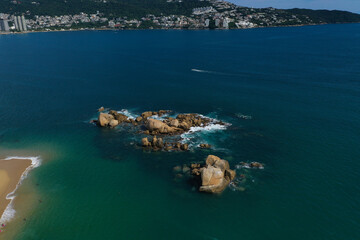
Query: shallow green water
{"type": "Point", "coordinates": [300, 85]}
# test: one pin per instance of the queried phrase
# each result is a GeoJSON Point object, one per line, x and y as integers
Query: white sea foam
{"type": "Point", "coordinates": [128, 113]}
{"type": "Point", "coordinates": [163, 117]}
{"type": "Point", "coordinates": [213, 126]}
{"type": "Point", "coordinates": [9, 212]}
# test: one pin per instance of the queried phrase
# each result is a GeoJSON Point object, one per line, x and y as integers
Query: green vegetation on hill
{"type": "Point", "coordinates": [129, 8]}
{"type": "Point", "coordinates": [118, 13]}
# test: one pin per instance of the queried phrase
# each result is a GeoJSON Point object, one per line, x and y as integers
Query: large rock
{"type": "Point", "coordinates": [147, 114]}
{"type": "Point", "coordinates": [113, 123]}
{"type": "Point", "coordinates": [212, 180]}
{"type": "Point", "coordinates": [104, 119]}
{"type": "Point", "coordinates": [185, 125]}
{"type": "Point", "coordinates": [154, 125]}
{"type": "Point", "coordinates": [211, 159]}
{"type": "Point", "coordinates": [174, 123]}
{"type": "Point", "coordinates": [216, 175]}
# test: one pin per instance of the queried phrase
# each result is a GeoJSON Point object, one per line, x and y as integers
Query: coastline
{"type": "Point", "coordinates": [13, 170]}
{"type": "Point", "coordinates": [163, 29]}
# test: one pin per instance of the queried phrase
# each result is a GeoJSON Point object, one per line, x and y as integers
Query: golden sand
{"type": "Point", "coordinates": [10, 175]}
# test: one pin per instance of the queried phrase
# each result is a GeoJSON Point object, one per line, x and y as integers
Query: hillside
{"type": "Point", "coordinates": [129, 8]}
{"type": "Point", "coordinates": [162, 14]}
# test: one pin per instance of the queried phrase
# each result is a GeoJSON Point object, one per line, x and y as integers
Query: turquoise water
{"type": "Point", "coordinates": [300, 85]}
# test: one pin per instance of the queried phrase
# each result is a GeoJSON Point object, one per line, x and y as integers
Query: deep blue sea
{"type": "Point", "coordinates": [300, 85]}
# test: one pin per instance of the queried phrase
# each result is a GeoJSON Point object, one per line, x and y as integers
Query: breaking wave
{"type": "Point", "coordinates": [9, 212]}
{"type": "Point", "coordinates": [127, 113]}
{"type": "Point", "coordinates": [197, 135]}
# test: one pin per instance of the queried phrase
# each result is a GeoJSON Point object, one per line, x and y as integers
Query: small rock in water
{"type": "Point", "coordinates": [177, 169]}
{"type": "Point", "coordinates": [205, 145]}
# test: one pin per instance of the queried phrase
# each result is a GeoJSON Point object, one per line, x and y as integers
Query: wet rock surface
{"type": "Point", "coordinates": [214, 176]}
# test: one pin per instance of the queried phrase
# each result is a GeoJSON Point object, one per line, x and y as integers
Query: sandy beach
{"type": "Point", "coordinates": [11, 172]}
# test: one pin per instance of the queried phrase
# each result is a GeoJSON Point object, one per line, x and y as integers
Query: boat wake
{"type": "Point", "coordinates": [201, 71]}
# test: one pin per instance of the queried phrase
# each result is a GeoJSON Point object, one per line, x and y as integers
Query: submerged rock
{"type": "Point", "coordinates": [255, 165]}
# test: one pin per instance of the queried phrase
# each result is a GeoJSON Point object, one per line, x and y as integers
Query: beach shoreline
{"type": "Point", "coordinates": [13, 170]}
{"type": "Point", "coordinates": [163, 29]}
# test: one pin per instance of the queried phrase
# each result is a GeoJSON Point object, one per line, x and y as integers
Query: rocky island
{"type": "Point", "coordinates": [150, 124]}
{"type": "Point", "coordinates": [212, 177]}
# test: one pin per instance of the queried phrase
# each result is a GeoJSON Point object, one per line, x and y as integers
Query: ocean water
{"type": "Point", "coordinates": [301, 87]}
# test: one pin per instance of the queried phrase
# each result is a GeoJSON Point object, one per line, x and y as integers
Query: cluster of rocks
{"type": "Point", "coordinates": [168, 126]}
{"type": "Point", "coordinates": [215, 176]}
{"type": "Point", "coordinates": [114, 118]}
{"type": "Point", "coordinates": [159, 144]}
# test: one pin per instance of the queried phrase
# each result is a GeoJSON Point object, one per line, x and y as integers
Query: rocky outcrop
{"type": "Point", "coordinates": [159, 127]}
{"type": "Point", "coordinates": [147, 114]}
{"type": "Point", "coordinates": [104, 119]}
{"type": "Point", "coordinates": [174, 123]}
{"type": "Point", "coordinates": [215, 175]}
{"type": "Point", "coordinates": [168, 126]}
{"type": "Point", "coordinates": [118, 116]}
{"type": "Point", "coordinates": [111, 119]}
{"type": "Point", "coordinates": [158, 144]}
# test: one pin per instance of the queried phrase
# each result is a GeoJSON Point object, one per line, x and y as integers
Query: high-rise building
{"type": "Point", "coordinates": [4, 26]}
{"type": "Point", "coordinates": [23, 23]}
{"type": "Point", "coordinates": [16, 23]}
{"type": "Point", "coordinates": [20, 23]}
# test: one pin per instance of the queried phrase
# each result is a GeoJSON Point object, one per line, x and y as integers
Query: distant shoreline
{"type": "Point", "coordinates": [161, 29]}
